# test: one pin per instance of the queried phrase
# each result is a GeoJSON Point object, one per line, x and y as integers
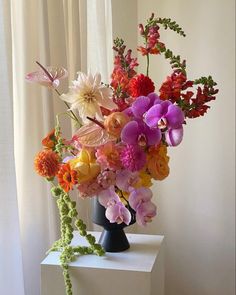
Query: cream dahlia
{"type": "Point", "coordinates": [87, 95]}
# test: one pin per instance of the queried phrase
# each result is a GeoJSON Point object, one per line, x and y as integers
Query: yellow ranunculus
{"type": "Point", "coordinates": [85, 165]}
{"type": "Point", "coordinates": [144, 180]}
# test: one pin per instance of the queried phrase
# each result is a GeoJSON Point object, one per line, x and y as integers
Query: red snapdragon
{"type": "Point", "coordinates": [179, 90]}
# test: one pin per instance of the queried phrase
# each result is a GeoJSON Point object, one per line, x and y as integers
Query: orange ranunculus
{"type": "Point", "coordinates": [115, 122]}
{"type": "Point", "coordinates": [46, 163]}
{"type": "Point", "coordinates": [50, 140]}
{"type": "Point", "coordinates": [157, 162]}
{"type": "Point", "coordinates": [67, 177]}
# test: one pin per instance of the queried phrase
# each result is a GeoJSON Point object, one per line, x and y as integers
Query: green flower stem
{"type": "Point", "coordinates": [60, 146]}
{"type": "Point", "coordinates": [72, 113]}
{"type": "Point", "coordinates": [67, 279]}
{"type": "Point", "coordinates": [95, 248]}
{"type": "Point", "coordinates": [68, 214]}
{"type": "Point", "coordinates": [175, 60]}
{"type": "Point", "coordinates": [148, 62]}
{"type": "Point", "coordinates": [207, 81]}
{"type": "Point", "coordinates": [168, 23]}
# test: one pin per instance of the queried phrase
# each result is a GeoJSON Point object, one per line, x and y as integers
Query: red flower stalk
{"type": "Point", "coordinates": [124, 70]}
{"type": "Point", "coordinates": [175, 85]}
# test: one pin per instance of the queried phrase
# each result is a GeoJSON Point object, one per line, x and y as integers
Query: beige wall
{"type": "Point", "coordinates": [124, 21]}
{"type": "Point", "coordinates": [197, 202]}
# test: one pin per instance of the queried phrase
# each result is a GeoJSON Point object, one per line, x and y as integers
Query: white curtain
{"type": "Point", "coordinates": [54, 33]}
{"type": "Point", "coordinates": [10, 249]}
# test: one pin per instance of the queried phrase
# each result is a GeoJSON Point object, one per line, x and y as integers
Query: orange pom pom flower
{"type": "Point", "coordinates": [46, 163]}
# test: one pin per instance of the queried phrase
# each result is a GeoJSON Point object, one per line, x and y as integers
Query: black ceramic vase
{"type": "Point", "coordinates": [113, 238]}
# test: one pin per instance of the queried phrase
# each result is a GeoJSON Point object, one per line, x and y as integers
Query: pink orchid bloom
{"type": "Point", "coordinates": [146, 211]}
{"type": "Point", "coordinates": [174, 136]}
{"type": "Point", "coordinates": [108, 197]}
{"type": "Point", "coordinates": [139, 196]}
{"type": "Point", "coordinates": [118, 213]}
{"type": "Point", "coordinates": [125, 180]}
{"type": "Point", "coordinates": [140, 201]}
{"type": "Point", "coordinates": [115, 209]}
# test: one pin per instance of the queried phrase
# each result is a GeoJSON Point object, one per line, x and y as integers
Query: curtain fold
{"type": "Point", "coordinates": [57, 33]}
{"type": "Point", "coordinates": [99, 38]}
{"type": "Point", "coordinates": [10, 249]}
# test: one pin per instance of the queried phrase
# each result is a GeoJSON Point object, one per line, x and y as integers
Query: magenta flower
{"type": "Point", "coordinates": [143, 103]}
{"type": "Point", "coordinates": [174, 136]}
{"type": "Point", "coordinates": [128, 112]}
{"type": "Point", "coordinates": [132, 158]}
{"type": "Point", "coordinates": [168, 118]}
{"type": "Point", "coordinates": [164, 115]}
{"type": "Point", "coordinates": [138, 133]}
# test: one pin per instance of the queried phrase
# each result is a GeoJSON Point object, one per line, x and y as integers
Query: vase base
{"type": "Point", "coordinates": [114, 240]}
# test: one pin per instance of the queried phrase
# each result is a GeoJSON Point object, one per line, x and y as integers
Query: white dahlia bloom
{"type": "Point", "coordinates": [87, 95]}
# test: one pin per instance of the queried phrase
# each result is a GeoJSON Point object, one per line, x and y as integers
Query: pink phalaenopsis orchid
{"type": "Point", "coordinates": [140, 201]}
{"type": "Point", "coordinates": [115, 209]}
{"type": "Point", "coordinates": [126, 180]}
{"type": "Point", "coordinates": [145, 213]}
{"type": "Point", "coordinates": [118, 213]}
{"type": "Point", "coordinates": [108, 196]}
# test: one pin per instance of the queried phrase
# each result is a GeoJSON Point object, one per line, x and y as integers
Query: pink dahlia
{"type": "Point", "coordinates": [132, 157]}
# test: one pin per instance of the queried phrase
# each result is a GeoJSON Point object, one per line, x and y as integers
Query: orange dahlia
{"type": "Point", "coordinates": [67, 177]}
{"type": "Point", "coordinates": [46, 163]}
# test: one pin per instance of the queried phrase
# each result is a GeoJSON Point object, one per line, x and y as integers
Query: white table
{"type": "Point", "coordinates": [136, 271]}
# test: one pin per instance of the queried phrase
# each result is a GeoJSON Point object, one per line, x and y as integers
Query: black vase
{"type": "Point", "coordinates": [113, 238]}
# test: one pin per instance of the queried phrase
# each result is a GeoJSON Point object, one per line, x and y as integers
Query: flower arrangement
{"type": "Point", "coordinates": [124, 130]}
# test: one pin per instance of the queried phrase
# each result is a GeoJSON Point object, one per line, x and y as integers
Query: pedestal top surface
{"type": "Point", "coordinates": [140, 256]}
